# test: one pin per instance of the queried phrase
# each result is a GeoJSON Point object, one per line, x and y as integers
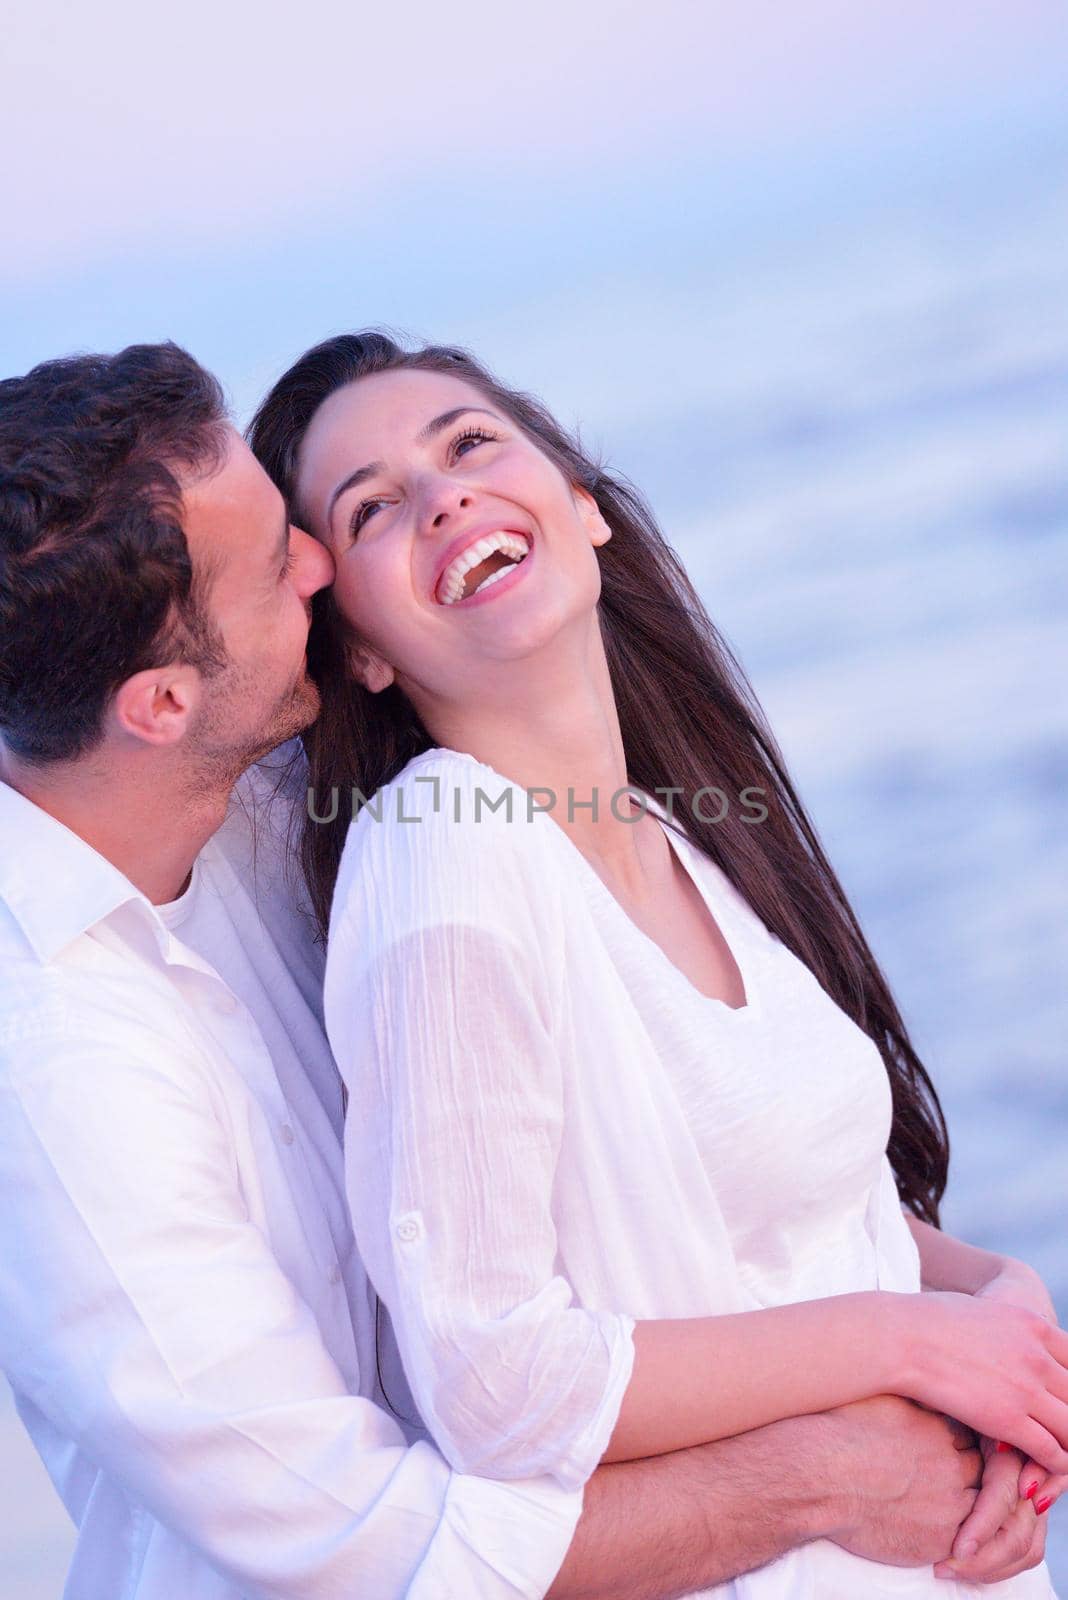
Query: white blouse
{"type": "Point", "coordinates": [552, 1132]}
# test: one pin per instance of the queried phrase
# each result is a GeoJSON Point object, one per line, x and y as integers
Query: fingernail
{"type": "Point", "coordinates": [967, 1550]}
{"type": "Point", "coordinates": [1043, 1504]}
{"type": "Point", "coordinates": [1002, 1446]}
{"type": "Point", "coordinates": [1029, 1491]}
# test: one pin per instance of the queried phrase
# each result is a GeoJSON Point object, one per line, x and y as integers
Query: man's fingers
{"type": "Point", "coordinates": [1017, 1547]}
{"type": "Point", "coordinates": [997, 1500]}
{"type": "Point", "coordinates": [964, 1438]}
{"type": "Point", "coordinates": [972, 1468]}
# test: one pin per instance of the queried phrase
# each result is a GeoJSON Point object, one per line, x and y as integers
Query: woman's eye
{"type": "Point", "coordinates": [363, 512]}
{"type": "Point", "coordinates": [469, 437]}
{"type": "Point", "coordinates": [460, 447]}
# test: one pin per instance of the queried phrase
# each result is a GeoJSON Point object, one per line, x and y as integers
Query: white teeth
{"type": "Point", "coordinates": [494, 577]}
{"type": "Point", "coordinates": [451, 583]}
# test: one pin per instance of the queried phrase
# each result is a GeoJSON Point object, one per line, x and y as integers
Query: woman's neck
{"type": "Point", "coordinates": [552, 725]}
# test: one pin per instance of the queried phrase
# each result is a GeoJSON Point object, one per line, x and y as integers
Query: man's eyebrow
{"type": "Point", "coordinates": [434, 427]}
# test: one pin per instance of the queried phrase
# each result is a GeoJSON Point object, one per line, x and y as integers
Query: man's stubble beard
{"type": "Point", "coordinates": [216, 757]}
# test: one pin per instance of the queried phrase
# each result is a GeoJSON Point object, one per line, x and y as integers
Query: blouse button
{"type": "Point", "coordinates": [334, 1274]}
{"type": "Point", "coordinates": [287, 1133]}
{"type": "Point", "coordinates": [408, 1229]}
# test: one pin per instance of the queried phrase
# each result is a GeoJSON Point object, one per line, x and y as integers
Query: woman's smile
{"type": "Point", "coordinates": [478, 562]}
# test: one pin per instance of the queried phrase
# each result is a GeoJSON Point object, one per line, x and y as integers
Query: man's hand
{"type": "Point", "coordinates": [913, 1478]}
{"type": "Point", "coordinates": [1003, 1535]}
{"type": "Point", "coordinates": [883, 1478]}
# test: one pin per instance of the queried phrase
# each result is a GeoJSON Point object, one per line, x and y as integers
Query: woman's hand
{"type": "Point", "coordinates": [1019, 1285]}
{"type": "Point", "coordinates": [1000, 1367]}
{"type": "Point", "coordinates": [1005, 1532]}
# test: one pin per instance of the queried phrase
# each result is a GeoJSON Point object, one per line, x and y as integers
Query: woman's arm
{"type": "Point", "coordinates": [452, 1133]}
{"type": "Point", "coordinates": [949, 1263]}
{"type": "Point", "coordinates": [996, 1366]}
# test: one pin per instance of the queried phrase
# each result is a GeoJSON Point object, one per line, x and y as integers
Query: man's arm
{"type": "Point", "coordinates": [883, 1478]}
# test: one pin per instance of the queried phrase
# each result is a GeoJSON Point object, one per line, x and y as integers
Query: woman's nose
{"type": "Point", "coordinates": [441, 502]}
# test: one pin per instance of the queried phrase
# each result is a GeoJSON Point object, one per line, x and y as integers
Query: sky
{"type": "Point", "coordinates": [247, 178]}
{"type": "Point", "coordinates": [214, 120]}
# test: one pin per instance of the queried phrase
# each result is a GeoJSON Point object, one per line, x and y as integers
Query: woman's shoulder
{"type": "Point", "coordinates": [445, 793]}
{"type": "Point", "coordinates": [448, 839]}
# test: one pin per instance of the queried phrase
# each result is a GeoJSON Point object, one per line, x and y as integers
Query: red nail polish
{"type": "Point", "coordinates": [1029, 1491]}
{"type": "Point", "coordinates": [1043, 1504]}
{"type": "Point", "coordinates": [1002, 1446]}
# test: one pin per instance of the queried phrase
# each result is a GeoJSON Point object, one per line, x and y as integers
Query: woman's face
{"type": "Point", "coordinates": [422, 490]}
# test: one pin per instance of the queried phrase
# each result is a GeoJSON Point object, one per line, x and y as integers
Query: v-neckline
{"type": "Point", "coordinates": [643, 941]}
{"type": "Point", "coordinates": [723, 919]}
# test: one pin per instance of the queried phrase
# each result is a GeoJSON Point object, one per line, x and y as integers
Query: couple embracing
{"type": "Point", "coordinates": [516, 1182]}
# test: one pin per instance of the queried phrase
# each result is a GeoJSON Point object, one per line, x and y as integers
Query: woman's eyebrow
{"type": "Point", "coordinates": [450, 416]}
{"type": "Point", "coordinates": [350, 483]}
{"type": "Point", "coordinates": [432, 428]}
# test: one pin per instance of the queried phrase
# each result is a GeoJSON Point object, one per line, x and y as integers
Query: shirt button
{"type": "Point", "coordinates": [287, 1133]}
{"type": "Point", "coordinates": [408, 1229]}
{"type": "Point", "coordinates": [334, 1274]}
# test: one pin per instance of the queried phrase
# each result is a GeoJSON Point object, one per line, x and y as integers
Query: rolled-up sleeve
{"type": "Point", "coordinates": [144, 1314]}
{"type": "Point", "coordinates": [456, 1103]}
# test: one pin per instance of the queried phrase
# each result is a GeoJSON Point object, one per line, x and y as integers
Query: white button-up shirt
{"type": "Point", "coordinates": [189, 1335]}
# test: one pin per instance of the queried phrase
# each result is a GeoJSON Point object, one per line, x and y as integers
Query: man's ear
{"type": "Point", "coordinates": [590, 512]}
{"type": "Point", "coordinates": [369, 668]}
{"type": "Point", "coordinates": [156, 706]}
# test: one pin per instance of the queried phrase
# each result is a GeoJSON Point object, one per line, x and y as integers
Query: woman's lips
{"type": "Point", "coordinates": [471, 551]}
{"type": "Point", "coordinates": [511, 577]}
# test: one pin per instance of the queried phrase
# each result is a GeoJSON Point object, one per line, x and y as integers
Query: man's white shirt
{"type": "Point", "coordinates": [187, 1329]}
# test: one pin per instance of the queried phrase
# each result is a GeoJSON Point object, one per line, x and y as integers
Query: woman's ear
{"type": "Point", "coordinates": [590, 512]}
{"type": "Point", "coordinates": [369, 668]}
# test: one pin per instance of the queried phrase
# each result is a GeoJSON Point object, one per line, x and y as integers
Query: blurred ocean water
{"type": "Point", "coordinates": [859, 448]}
{"type": "Point", "coordinates": [881, 531]}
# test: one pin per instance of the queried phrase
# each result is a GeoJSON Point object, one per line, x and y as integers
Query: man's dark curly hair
{"type": "Point", "coordinates": [96, 579]}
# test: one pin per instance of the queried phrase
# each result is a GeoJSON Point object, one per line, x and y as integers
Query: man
{"type": "Point", "coordinates": [188, 1333]}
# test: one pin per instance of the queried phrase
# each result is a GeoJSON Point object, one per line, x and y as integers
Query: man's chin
{"type": "Point", "coordinates": [299, 712]}
{"type": "Point", "coordinates": [307, 703]}
{"type": "Point", "coordinates": [218, 758]}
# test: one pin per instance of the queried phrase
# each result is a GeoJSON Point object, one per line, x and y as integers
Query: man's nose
{"type": "Point", "coordinates": [314, 565]}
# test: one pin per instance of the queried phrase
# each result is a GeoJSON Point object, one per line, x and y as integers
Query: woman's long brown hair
{"type": "Point", "coordinates": [688, 715]}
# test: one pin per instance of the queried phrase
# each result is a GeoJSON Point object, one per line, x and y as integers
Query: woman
{"type": "Point", "coordinates": [632, 1110]}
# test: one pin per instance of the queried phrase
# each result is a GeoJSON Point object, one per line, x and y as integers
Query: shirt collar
{"type": "Point", "coordinates": [55, 885]}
